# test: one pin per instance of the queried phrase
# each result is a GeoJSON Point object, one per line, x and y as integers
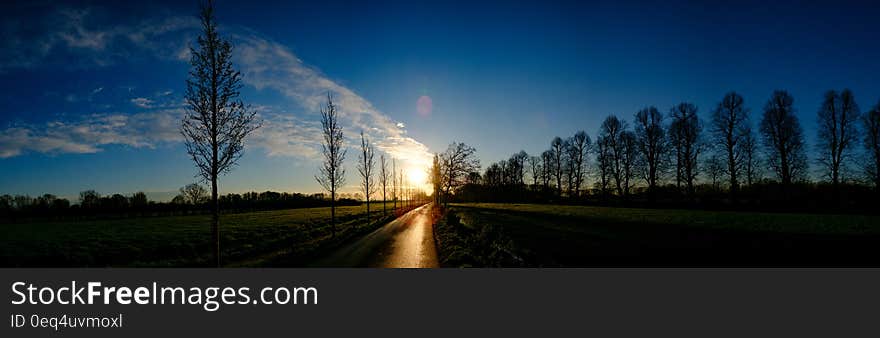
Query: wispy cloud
{"type": "Point", "coordinates": [89, 133]}
{"type": "Point", "coordinates": [142, 102]}
{"type": "Point", "coordinates": [265, 64]}
{"type": "Point", "coordinates": [268, 64]}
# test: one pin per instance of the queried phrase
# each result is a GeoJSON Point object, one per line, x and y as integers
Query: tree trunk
{"type": "Point", "coordinates": [215, 221]}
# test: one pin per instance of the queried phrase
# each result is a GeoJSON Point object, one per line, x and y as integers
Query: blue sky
{"type": "Point", "coordinates": [92, 90]}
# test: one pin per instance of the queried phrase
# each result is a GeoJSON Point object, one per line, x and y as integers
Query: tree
{"type": "Point", "coordinates": [139, 200]}
{"type": "Point", "coordinates": [216, 121]}
{"type": "Point", "coordinates": [604, 163]}
{"type": "Point", "coordinates": [557, 149]}
{"type": "Point", "coordinates": [629, 153]}
{"type": "Point", "coordinates": [518, 167]}
{"type": "Point", "coordinates": [837, 129]}
{"type": "Point", "coordinates": [546, 168]}
{"type": "Point", "coordinates": [783, 138]}
{"type": "Point", "coordinates": [579, 150]}
{"type": "Point", "coordinates": [610, 132]}
{"type": "Point", "coordinates": [535, 170]}
{"type": "Point", "coordinates": [394, 182]}
{"type": "Point", "coordinates": [194, 193]}
{"type": "Point", "coordinates": [437, 177]}
{"type": "Point", "coordinates": [871, 120]}
{"type": "Point", "coordinates": [332, 174]}
{"type": "Point", "coordinates": [456, 162]}
{"type": "Point", "coordinates": [751, 159]}
{"type": "Point", "coordinates": [87, 199]}
{"type": "Point", "coordinates": [650, 139]}
{"type": "Point", "coordinates": [715, 168]}
{"type": "Point", "coordinates": [684, 138]}
{"type": "Point", "coordinates": [383, 179]}
{"type": "Point", "coordinates": [365, 167]}
{"type": "Point", "coordinates": [728, 127]}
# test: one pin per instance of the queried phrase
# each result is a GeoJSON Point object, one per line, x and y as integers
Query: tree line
{"type": "Point", "coordinates": [677, 158]}
{"type": "Point", "coordinates": [193, 198]}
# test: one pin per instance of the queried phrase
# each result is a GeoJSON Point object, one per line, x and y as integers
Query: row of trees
{"type": "Point", "coordinates": [192, 198]}
{"type": "Point", "coordinates": [331, 175]}
{"type": "Point", "coordinates": [678, 149]}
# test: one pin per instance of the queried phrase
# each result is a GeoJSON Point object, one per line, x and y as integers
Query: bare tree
{"type": "Point", "coordinates": [715, 168]}
{"type": "Point", "coordinates": [194, 193]}
{"type": "Point", "coordinates": [216, 121]}
{"type": "Point", "coordinates": [437, 177]}
{"type": "Point", "coordinates": [394, 182]}
{"type": "Point", "coordinates": [383, 180]}
{"type": "Point", "coordinates": [751, 159]}
{"type": "Point", "coordinates": [651, 143]}
{"type": "Point", "coordinates": [838, 118]}
{"type": "Point", "coordinates": [684, 135]}
{"type": "Point", "coordinates": [546, 168]}
{"type": "Point", "coordinates": [518, 173]}
{"type": "Point", "coordinates": [535, 169]}
{"type": "Point", "coordinates": [784, 138]}
{"type": "Point", "coordinates": [728, 126]}
{"type": "Point", "coordinates": [629, 153]}
{"type": "Point", "coordinates": [579, 148]}
{"type": "Point", "coordinates": [458, 160]}
{"type": "Point", "coordinates": [557, 148]}
{"type": "Point", "coordinates": [611, 131]}
{"type": "Point", "coordinates": [332, 173]}
{"type": "Point", "coordinates": [604, 158]}
{"type": "Point", "coordinates": [871, 121]}
{"type": "Point", "coordinates": [365, 167]}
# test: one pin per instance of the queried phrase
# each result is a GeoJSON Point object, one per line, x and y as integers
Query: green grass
{"type": "Point", "coordinates": [727, 220]}
{"type": "Point", "coordinates": [497, 234]}
{"type": "Point", "coordinates": [177, 240]}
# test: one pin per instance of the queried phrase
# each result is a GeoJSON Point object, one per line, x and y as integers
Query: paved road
{"type": "Point", "coordinates": [407, 242]}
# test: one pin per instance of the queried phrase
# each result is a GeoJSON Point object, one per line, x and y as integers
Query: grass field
{"type": "Point", "coordinates": [552, 235]}
{"type": "Point", "coordinates": [253, 238]}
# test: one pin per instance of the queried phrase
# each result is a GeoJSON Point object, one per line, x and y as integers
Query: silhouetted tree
{"type": "Point", "coordinates": [437, 177]}
{"type": "Point", "coordinates": [216, 121]}
{"type": "Point", "coordinates": [838, 118]}
{"type": "Point", "coordinates": [629, 153]}
{"type": "Point", "coordinates": [546, 168]}
{"type": "Point", "coordinates": [871, 120]}
{"type": "Point", "coordinates": [684, 137]}
{"type": "Point", "coordinates": [535, 170]}
{"type": "Point", "coordinates": [87, 199]}
{"type": "Point", "coordinates": [715, 168]}
{"type": "Point", "coordinates": [604, 162]}
{"type": "Point", "coordinates": [139, 200]}
{"type": "Point", "coordinates": [783, 138]}
{"type": "Point", "coordinates": [579, 149]}
{"type": "Point", "coordinates": [611, 130]}
{"type": "Point", "coordinates": [458, 160]}
{"type": "Point", "coordinates": [557, 148]}
{"type": "Point", "coordinates": [751, 159]}
{"type": "Point", "coordinates": [194, 193]}
{"type": "Point", "coordinates": [518, 167]}
{"type": "Point", "coordinates": [651, 144]}
{"type": "Point", "coordinates": [383, 179]}
{"type": "Point", "coordinates": [365, 167]}
{"type": "Point", "coordinates": [729, 124]}
{"type": "Point", "coordinates": [332, 173]}
{"type": "Point", "coordinates": [394, 181]}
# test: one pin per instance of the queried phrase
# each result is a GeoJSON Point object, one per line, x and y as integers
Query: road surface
{"type": "Point", "coordinates": [406, 242]}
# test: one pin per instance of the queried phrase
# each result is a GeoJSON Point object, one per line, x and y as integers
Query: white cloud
{"type": "Point", "coordinates": [265, 64]}
{"type": "Point", "coordinates": [142, 102]}
{"type": "Point", "coordinates": [89, 133]}
{"type": "Point", "coordinates": [268, 64]}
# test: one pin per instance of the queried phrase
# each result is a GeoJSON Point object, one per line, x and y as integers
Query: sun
{"type": "Point", "coordinates": [416, 176]}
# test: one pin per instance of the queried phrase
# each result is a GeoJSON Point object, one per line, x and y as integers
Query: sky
{"type": "Point", "coordinates": [92, 91]}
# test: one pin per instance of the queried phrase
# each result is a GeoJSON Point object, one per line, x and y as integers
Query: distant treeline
{"type": "Point", "coordinates": [192, 199]}
{"type": "Point", "coordinates": [676, 159]}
